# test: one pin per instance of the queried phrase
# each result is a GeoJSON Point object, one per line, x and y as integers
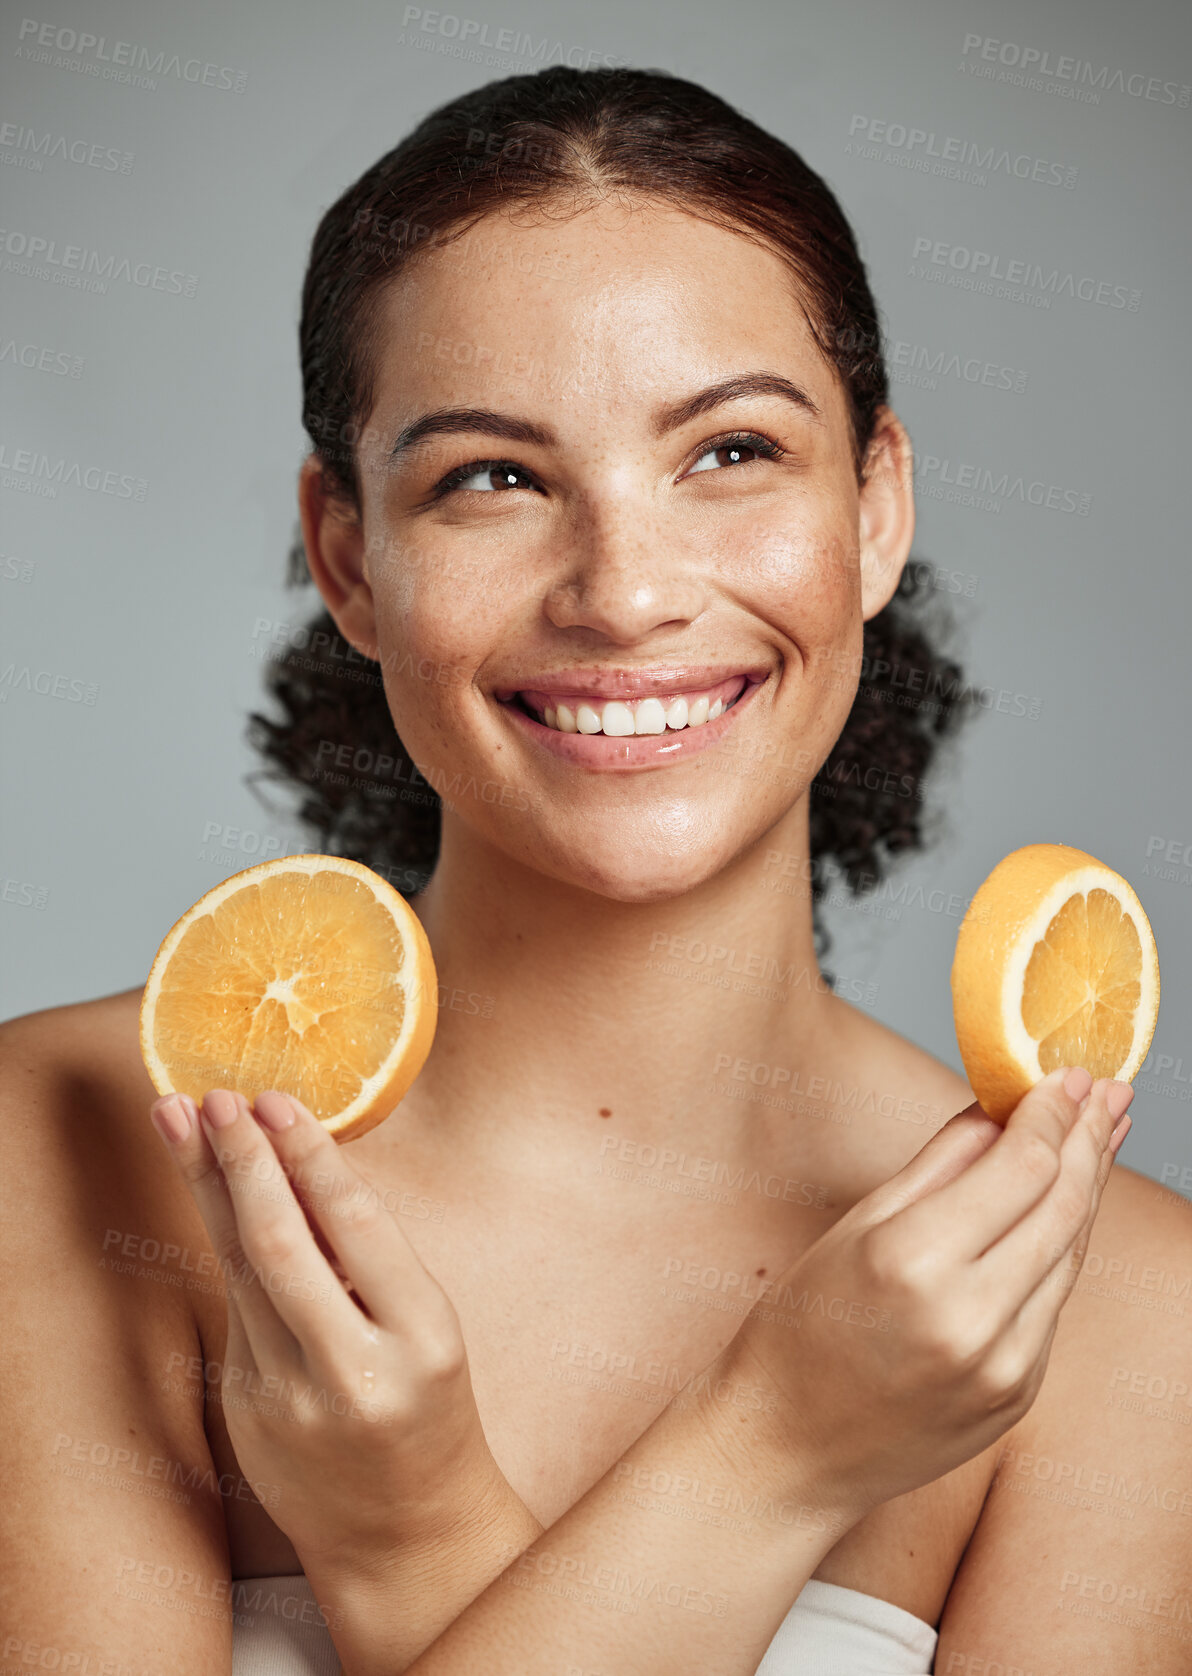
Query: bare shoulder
{"type": "Point", "coordinates": [77, 1100]}
{"type": "Point", "coordinates": [1082, 1555]}
{"type": "Point", "coordinates": [75, 1132]}
{"type": "Point", "coordinates": [105, 1457]}
{"type": "Point", "coordinates": [75, 1088]}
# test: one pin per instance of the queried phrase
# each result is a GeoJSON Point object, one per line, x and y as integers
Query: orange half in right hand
{"type": "Point", "coordinates": [1055, 965]}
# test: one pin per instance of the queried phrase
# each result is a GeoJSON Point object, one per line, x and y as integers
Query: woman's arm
{"type": "Point", "coordinates": [685, 1556]}
{"type": "Point", "coordinates": [113, 1542]}
{"type": "Point", "coordinates": [955, 1258]}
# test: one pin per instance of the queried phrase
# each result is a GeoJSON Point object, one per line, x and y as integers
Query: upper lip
{"type": "Point", "coordinates": [628, 684]}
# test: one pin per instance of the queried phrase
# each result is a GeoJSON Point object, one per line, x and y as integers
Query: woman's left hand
{"type": "Point", "coordinates": [345, 1381]}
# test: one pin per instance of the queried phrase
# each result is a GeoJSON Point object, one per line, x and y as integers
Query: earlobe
{"type": "Point", "coordinates": [887, 512]}
{"type": "Point", "coordinates": [334, 540]}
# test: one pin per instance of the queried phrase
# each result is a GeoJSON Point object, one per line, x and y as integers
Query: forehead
{"type": "Point", "coordinates": [622, 299]}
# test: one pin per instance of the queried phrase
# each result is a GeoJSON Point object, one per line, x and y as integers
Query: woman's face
{"type": "Point", "coordinates": [616, 635]}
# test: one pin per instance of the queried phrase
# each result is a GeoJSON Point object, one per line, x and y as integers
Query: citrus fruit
{"type": "Point", "coordinates": [309, 974]}
{"type": "Point", "coordinates": [1055, 965]}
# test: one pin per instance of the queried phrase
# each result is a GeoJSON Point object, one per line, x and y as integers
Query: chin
{"type": "Point", "coordinates": [646, 877]}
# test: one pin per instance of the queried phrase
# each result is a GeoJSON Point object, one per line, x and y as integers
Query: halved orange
{"type": "Point", "coordinates": [309, 974]}
{"type": "Point", "coordinates": [1055, 965]}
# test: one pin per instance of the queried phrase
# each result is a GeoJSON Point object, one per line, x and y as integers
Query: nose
{"type": "Point", "coordinates": [624, 576]}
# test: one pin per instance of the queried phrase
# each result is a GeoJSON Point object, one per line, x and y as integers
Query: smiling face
{"type": "Point", "coordinates": [619, 619]}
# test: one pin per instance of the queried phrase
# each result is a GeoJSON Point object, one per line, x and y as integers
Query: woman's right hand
{"type": "Point", "coordinates": [945, 1287]}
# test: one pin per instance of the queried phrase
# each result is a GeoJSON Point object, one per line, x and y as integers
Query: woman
{"type": "Point", "coordinates": [600, 442]}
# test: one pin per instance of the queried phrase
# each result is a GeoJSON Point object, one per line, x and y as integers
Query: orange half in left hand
{"type": "Point", "coordinates": [309, 974]}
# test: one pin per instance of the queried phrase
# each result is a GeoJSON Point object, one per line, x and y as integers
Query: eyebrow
{"type": "Point", "coordinates": [451, 421]}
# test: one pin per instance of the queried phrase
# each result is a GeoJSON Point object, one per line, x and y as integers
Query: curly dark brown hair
{"type": "Point", "coordinates": [571, 136]}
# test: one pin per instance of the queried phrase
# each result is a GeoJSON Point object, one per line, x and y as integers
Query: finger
{"type": "Point", "coordinates": [270, 1339]}
{"type": "Point", "coordinates": [1048, 1246]}
{"type": "Point", "coordinates": [363, 1233]}
{"type": "Point", "coordinates": [965, 1217]}
{"type": "Point", "coordinates": [289, 1272]}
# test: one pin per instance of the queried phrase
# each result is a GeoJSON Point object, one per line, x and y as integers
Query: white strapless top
{"type": "Point", "coordinates": [280, 1630]}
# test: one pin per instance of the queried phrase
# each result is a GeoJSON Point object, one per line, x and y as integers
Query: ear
{"type": "Point", "coordinates": [334, 541]}
{"type": "Point", "coordinates": [887, 512]}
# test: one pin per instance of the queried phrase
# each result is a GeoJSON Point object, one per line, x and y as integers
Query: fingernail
{"type": "Point", "coordinates": [171, 1118]}
{"type": "Point", "coordinates": [1120, 1133]}
{"type": "Point", "coordinates": [220, 1108]}
{"type": "Point", "coordinates": [1117, 1097]}
{"type": "Point", "coordinates": [274, 1110]}
{"type": "Point", "coordinates": [1077, 1084]}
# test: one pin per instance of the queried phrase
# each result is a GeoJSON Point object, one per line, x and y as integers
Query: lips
{"type": "Point", "coordinates": [571, 712]}
{"type": "Point", "coordinates": [629, 720]}
{"type": "Point", "coordinates": [628, 684]}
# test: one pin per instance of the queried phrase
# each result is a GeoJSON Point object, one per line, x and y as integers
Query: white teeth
{"type": "Point", "coordinates": [676, 715]}
{"type": "Point", "coordinates": [617, 719]}
{"type": "Point", "coordinates": [650, 717]}
{"type": "Point", "coordinates": [621, 720]}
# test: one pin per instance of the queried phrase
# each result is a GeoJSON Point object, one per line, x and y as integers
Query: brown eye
{"type": "Point", "coordinates": [484, 477]}
{"type": "Point", "coordinates": [737, 450]}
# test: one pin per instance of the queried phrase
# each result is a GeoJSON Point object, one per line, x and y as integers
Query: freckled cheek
{"type": "Point", "coordinates": [431, 652]}
{"type": "Point", "coordinates": [808, 588]}
{"type": "Point", "coordinates": [437, 618]}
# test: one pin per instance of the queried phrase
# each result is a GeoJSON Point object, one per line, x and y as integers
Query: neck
{"type": "Point", "coordinates": [558, 1006]}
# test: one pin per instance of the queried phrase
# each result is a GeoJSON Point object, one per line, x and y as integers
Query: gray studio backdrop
{"type": "Point", "coordinates": [1018, 177]}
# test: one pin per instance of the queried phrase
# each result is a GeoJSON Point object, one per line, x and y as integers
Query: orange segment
{"type": "Point", "coordinates": [309, 974]}
{"type": "Point", "coordinates": [1083, 985]}
{"type": "Point", "coordinates": [1055, 965]}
